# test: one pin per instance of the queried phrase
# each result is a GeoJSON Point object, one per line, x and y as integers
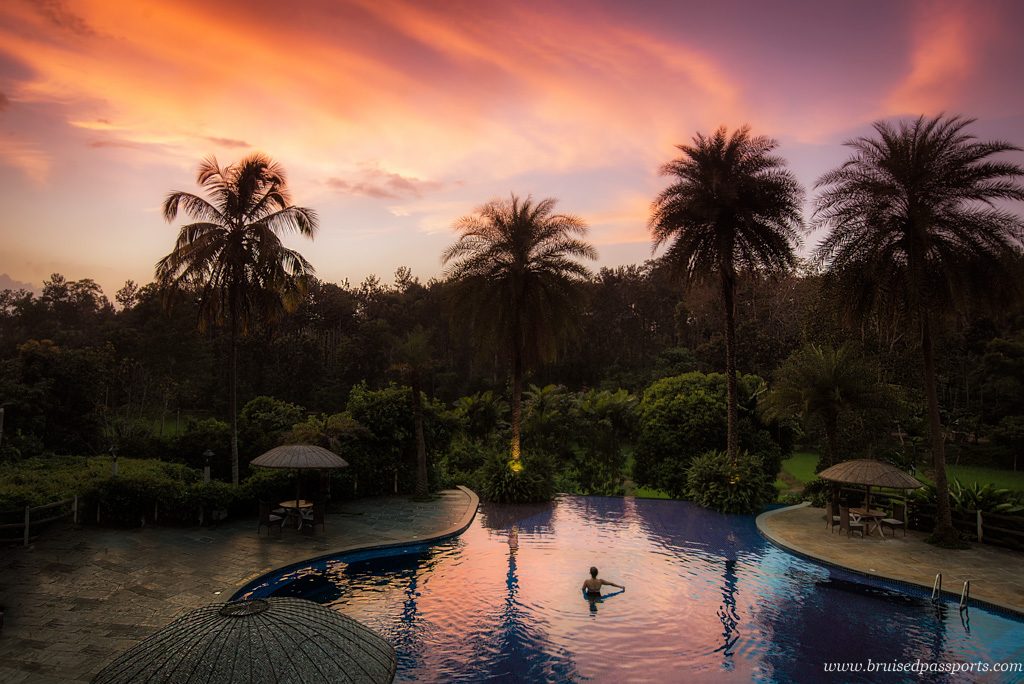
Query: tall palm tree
{"type": "Point", "coordinates": [517, 281]}
{"type": "Point", "coordinates": [232, 253]}
{"type": "Point", "coordinates": [915, 230]}
{"type": "Point", "coordinates": [820, 383]}
{"type": "Point", "coordinates": [732, 207]}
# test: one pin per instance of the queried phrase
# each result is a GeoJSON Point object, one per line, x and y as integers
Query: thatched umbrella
{"type": "Point", "coordinates": [264, 640]}
{"type": "Point", "coordinates": [870, 473]}
{"type": "Point", "coordinates": [299, 457]}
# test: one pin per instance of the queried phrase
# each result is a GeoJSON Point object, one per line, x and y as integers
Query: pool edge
{"type": "Point", "coordinates": [814, 558]}
{"type": "Point", "coordinates": [452, 531]}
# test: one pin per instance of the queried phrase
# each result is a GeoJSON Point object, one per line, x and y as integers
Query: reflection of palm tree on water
{"type": "Point", "coordinates": [727, 611]}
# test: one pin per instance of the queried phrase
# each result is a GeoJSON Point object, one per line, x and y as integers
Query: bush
{"type": "Point", "coordinates": [685, 416]}
{"type": "Point", "coordinates": [818, 492]}
{"type": "Point", "coordinates": [263, 422]}
{"type": "Point", "coordinates": [504, 483]}
{"type": "Point", "coordinates": [142, 491]}
{"type": "Point", "coordinates": [740, 487]}
{"type": "Point", "coordinates": [202, 435]}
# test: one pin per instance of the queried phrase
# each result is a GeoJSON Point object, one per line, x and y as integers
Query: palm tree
{"type": "Point", "coordinates": [517, 282]}
{"type": "Point", "coordinates": [819, 383]}
{"type": "Point", "coordinates": [914, 231]}
{"type": "Point", "coordinates": [232, 253]}
{"type": "Point", "coordinates": [733, 207]}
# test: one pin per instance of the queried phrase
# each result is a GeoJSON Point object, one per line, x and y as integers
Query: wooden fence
{"type": "Point", "coordinates": [21, 529]}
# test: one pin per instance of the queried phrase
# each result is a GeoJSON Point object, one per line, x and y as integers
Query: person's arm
{"type": "Point", "coordinates": [612, 584]}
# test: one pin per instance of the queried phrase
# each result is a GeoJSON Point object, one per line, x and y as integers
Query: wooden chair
{"type": "Point", "coordinates": [831, 519]}
{"type": "Point", "coordinates": [268, 519]}
{"type": "Point", "coordinates": [898, 519]}
{"type": "Point", "coordinates": [316, 516]}
{"type": "Point", "coordinates": [847, 524]}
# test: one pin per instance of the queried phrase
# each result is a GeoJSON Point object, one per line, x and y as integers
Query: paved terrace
{"type": "Point", "coordinates": [996, 574]}
{"type": "Point", "coordinates": [78, 597]}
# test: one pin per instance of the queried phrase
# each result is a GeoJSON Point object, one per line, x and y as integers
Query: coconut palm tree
{"type": "Point", "coordinates": [732, 207]}
{"type": "Point", "coordinates": [232, 253]}
{"type": "Point", "coordinates": [517, 282]}
{"type": "Point", "coordinates": [820, 383]}
{"type": "Point", "coordinates": [914, 230]}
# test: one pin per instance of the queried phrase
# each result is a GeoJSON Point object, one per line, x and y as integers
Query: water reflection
{"type": "Point", "coordinates": [708, 600]}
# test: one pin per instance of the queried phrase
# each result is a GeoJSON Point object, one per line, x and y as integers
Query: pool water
{"type": "Point", "coordinates": [707, 599]}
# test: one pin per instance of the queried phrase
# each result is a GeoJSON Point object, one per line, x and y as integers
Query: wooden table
{"type": "Point", "coordinates": [294, 507]}
{"type": "Point", "coordinates": [871, 518]}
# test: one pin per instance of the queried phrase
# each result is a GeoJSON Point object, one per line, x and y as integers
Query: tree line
{"type": "Point", "coordinates": [920, 244]}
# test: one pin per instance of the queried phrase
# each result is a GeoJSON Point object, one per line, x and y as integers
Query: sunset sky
{"type": "Point", "coordinates": [394, 118]}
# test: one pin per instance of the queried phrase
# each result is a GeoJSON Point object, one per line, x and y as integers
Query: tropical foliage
{"type": "Point", "coordinates": [516, 279]}
{"type": "Point", "coordinates": [232, 254]}
{"type": "Point", "coordinates": [732, 207]}
{"type": "Point", "coordinates": [916, 229]}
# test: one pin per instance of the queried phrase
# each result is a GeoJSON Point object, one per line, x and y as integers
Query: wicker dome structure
{"type": "Point", "coordinates": [300, 457]}
{"type": "Point", "coordinates": [261, 641]}
{"type": "Point", "coordinates": [869, 472]}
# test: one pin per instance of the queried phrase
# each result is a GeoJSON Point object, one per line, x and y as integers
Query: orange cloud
{"type": "Point", "coordinates": [945, 40]}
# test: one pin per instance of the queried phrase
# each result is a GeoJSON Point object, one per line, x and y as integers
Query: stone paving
{"type": "Point", "coordinates": [79, 597]}
{"type": "Point", "coordinates": [996, 574]}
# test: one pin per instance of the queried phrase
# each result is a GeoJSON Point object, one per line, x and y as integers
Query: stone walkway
{"type": "Point", "coordinates": [78, 597]}
{"type": "Point", "coordinates": [996, 574]}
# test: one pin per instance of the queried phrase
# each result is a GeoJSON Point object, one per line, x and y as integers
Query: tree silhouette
{"type": "Point", "coordinates": [733, 207]}
{"type": "Point", "coordinates": [517, 282]}
{"type": "Point", "coordinates": [914, 230]}
{"type": "Point", "coordinates": [232, 253]}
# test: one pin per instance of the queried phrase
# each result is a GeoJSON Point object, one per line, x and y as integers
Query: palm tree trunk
{"type": "Point", "coordinates": [422, 488]}
{"type": "Point", "coordinates": [233, 403]}
{"type": "Point", "coordinates": [729, 299]}
{"type": "Point", "coordinates": [944, 531]}
{"type": "Point", "coordinates": [517, 400]}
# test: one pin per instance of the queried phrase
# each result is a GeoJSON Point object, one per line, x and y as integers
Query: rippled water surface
{"type": "Point", "coordinates": [707, 599]}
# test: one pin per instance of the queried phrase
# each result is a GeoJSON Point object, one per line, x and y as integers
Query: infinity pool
{"type": "Point", "coordinates": [707, 599]}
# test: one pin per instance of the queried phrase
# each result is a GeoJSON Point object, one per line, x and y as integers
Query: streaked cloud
{"type": "Point", "coordinates": [381, 184]}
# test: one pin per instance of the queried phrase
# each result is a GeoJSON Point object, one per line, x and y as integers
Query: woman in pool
{"type": "Point", "coordinates": [592, 585]}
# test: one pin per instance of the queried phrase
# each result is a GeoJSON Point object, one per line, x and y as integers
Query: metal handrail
{"type": "Point", "coordinates": [965, 595]}
{"type": "Point", "coordinates": [937, 587]}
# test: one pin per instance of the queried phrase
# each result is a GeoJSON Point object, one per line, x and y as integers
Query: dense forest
{"type": "Point", "coordinates": [76, 367]}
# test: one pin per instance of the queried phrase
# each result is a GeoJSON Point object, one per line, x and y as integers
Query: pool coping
{"type": "Point", "coordinates": [452, 531]}
{"type": "Point", "coordinates": [798, 551]}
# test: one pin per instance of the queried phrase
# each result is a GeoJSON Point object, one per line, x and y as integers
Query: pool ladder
{"type": "Point", "coordinates": [965, 593]}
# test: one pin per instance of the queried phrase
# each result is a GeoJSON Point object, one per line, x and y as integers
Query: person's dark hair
{"type": "Point", "coordinates": [593, 572]}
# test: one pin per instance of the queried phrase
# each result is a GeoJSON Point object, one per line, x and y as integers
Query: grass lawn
{"type": "Point", "coordinates": [800, 466]}
{"type": "Point", "coordinates": [1001, 479]}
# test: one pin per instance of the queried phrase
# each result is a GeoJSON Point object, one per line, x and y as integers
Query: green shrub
{"type": "Point", "coordinates": [684, 416]}
{"type": "Point", "coordinates": [263, 422]}
{"type": "Point", "coordinates": [818, 492]}
{"type": "Point", "coordinates": [740, 487]}
{"type": "Point", "coordinates": [504, 483]}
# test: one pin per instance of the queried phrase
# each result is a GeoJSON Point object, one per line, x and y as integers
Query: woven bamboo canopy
{"type": "Point", "coordinates": [869, 472]}
{"type": "Point", "coordinates": [285, 640]}
{"type": "Point", "coordinates": [300, 457]}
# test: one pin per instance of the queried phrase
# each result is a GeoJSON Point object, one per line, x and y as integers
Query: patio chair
{"type": "Point", "coordinates": [898, 519]}
{"type": "Point", "coordinates": [847, 524]}
{"type": "Point", "coordinates": [268, 519]}
{"type": "Point", "coordinates": [315, 516]}
{"type": "Point", "coordinates": [831, 519]}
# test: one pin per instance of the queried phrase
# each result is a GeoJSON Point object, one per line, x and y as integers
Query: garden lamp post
{"type": "Point", "coordinates": [206, 467]}
{"type": "Point", "coordinates": [113, 467]}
